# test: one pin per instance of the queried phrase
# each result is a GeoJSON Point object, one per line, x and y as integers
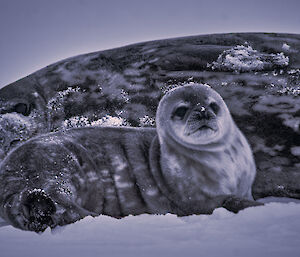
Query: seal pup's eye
{"type": "Point", "coordinates": [180, 112]}
{"type": "Point", "coordinates": [215, 107]}
{"type": "Point", "coordinates": [22, 108]}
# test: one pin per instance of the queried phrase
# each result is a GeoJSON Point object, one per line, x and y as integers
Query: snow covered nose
{"type": "Point", "coordinates": [37, 208]}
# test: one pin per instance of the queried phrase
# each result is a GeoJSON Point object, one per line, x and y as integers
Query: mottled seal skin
{"type": "Point", "coordinates": [127, 83]}
{"type": "Point", "coordinates": [195, 161]}
{"type": "Point", "coordinates": [23, 113]}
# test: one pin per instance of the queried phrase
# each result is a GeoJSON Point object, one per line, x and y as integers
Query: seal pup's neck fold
{"type": "Point", "coordinates": [155, 167]}
{"type": "Point", "coordinates": [163, 178]}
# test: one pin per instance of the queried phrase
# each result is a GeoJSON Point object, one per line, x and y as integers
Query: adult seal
{"type": "Point", "coordinates": [196, 160]}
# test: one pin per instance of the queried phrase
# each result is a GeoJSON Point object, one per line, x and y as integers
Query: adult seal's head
{"type": "Point", "coordinates": [194, 116]}
{"type": "Point", "coordinates": [22, 114]}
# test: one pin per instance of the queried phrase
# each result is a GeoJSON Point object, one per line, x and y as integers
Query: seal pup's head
{"type": "Point", "coordinates": [194, 116]}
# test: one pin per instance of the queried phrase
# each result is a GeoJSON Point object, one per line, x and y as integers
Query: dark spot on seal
{"type": "Point", "coordinates": [22, 108]}
{"type": "Point", "coordinates": [239, 141]}
{"type": "Point", "coordinates": [215, 107]}
{"type": "Point", "coordinates": [180, 112]}
{"type": "Point", "coordinates": [38, 208]}
{"type": "Point", "coordinates": [14, 142]}
{"type": "Point", "coordinates": [234, 149]}
{"type": "Point", "coordinates": [228, 153]}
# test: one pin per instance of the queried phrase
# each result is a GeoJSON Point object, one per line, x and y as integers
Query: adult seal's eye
{"type": "Point", "coordinates": [180, 112]}
{"type": "Point", "coordinates": [22, 109]}
{"type": "Point", "coordinates": [215, 107]}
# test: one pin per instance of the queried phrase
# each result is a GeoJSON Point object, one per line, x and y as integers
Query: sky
{"type": "Point", "coordinates": [36, 33]}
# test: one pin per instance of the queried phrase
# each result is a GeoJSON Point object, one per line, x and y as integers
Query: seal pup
{"type": "Point", "coordinates": [196, 160]}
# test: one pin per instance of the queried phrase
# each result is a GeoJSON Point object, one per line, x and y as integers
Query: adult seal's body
{"type": "Point", "coordinates": [195, 161]}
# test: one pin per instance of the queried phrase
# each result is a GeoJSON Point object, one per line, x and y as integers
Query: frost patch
{"type": "Point", "coordinates": [57, 101]}
{"type": "Point", "coordinates": [56, 105]}
{"type": "Point", "coordinates": [83, 121]}
{"type": "Point", "coordinates": [125, 96]}
{"type": "Point", "coordinates": [245, 58]}
{"type": "Point", "coordinates": [290, 90]}
{"type": "Point", "coordinates": [294, 72]}
{"type": "Point", "coordinates": [147, 121]}
{"type": "Point", "coordinates": [285, 47]}
{"type": "Point", "coordinates": [109, 121]}
{"type": "Point", "coordinates": [14, 128]}
{"type": "Point", "coordinates": [37, 190]}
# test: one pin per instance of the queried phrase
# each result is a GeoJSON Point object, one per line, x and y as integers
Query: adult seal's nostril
{"type": "Point", "coordinates": [37, 208]}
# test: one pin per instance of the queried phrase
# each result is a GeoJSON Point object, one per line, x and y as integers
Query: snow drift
{"type": "Point", "coordinates": [244, 59]}
{"type": "Point", "coordinates": [270, 230]}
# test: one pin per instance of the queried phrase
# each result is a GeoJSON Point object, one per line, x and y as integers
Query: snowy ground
{"type": "Point", "coordinates": [270, 230]}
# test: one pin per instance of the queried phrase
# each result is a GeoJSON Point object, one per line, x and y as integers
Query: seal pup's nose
{"type": "Point", "coordinates": [204, 113]}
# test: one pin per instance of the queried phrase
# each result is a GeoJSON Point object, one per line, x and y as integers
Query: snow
{"type": "Point", "coordinates": [294, 72]}
{"type": "Point", "coordinates": [244, 58]}
{"type": "Point", "coordinates": [14, 128]}
{"type": "Point", "coordinates": [147, 121]}
{"type": "Point", "coordinates": [270, 230]}
{"type": "Point", "coordinates": [83, 121]}
{"type": "Point", "coordinates": [290, 90]}
{"type": "Point", "coordinates": [285, 47]}
{"type": "Point", "coordinates": [57, 101]}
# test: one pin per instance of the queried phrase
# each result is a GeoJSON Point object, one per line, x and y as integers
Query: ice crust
{"type": "Point", "coordinates": [244, 58]}
{"type": "Point", "coordinates": [270, 230]}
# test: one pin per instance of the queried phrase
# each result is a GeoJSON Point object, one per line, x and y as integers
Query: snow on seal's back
{"type": "Point", "coordinates": [244, 58]}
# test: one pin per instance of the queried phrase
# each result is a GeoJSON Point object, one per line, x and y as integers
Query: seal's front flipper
{"type": "Point", "coordinates": [235, 204]}
{"type": "Point", "coordinates": [37, 209]}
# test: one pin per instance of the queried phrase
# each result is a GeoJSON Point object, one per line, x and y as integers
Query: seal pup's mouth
{"type": "Point", "coordinates": [195, 124]}
{"type": "Point", "coordinates": [201, 119]}
{"type": "Point", "coordinates": [189, 131]}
